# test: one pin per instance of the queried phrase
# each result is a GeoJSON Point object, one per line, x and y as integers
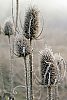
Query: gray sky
{"type": "Point", "coordinates": [58, 7]}
{"type": "Point", "coordinates": [53, 11]}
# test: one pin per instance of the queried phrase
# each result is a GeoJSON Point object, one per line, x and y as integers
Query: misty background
{"type": "Point", "coordinates": [54, 13]}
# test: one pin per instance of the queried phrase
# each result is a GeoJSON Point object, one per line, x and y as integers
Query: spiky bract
{"type": "Point", "coordinates": [22, 47]}
{"type": "Point", "coordinates": [31, 24]}
{"type": "Point", "coordinates": [47, 59]}
{"type": "Point", "coordinates": [61, 66]}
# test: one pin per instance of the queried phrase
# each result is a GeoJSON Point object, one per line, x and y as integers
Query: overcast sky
{"type": "Point", "coordinates": [54, 11]}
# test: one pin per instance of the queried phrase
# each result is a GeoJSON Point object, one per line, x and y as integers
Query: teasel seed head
{"type": "Point", "coordinates": [61, 67]}
{"type": "Point", "coordinates": [48, 67]}
{"type": "Point", "coordinates": [8, 28]}
{"type": "Point", "coordinates": [31, 24]}
{"type": "Point", "coordinates": [22, 47]}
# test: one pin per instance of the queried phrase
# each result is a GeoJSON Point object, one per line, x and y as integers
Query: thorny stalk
{"type": "Point", "coordinates": [17, 3]}
{"type": "Point", "coordinates": [30, 62]}
{"type": "Point", "coordinates": [26, 77]}
{"type": "Point", "coordinates": [11, 66]}
{"type": "Point", "coordinates": [56, 92]}
{"type": "Point", "coordinates": [49, 93]}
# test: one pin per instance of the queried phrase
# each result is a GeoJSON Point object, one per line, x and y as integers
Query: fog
{"type": "Point", "coordinates": [54, 13]}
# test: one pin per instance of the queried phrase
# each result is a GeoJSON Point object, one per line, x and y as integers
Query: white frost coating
{"type": "Point", "coordinates": [61, 66]}
{"type": "Point", "coordinates": [46, 72]}
{"type": "Point", "coordinates": [24, 50]}
{"type": "Point", "coordinates": [10, 23]}
{"type": "Point", "coordinates": [17, 38]}
{"type": "Point", "coordinates": [47, 51]}
{"type": "Point", "coordinates": [49, 80]}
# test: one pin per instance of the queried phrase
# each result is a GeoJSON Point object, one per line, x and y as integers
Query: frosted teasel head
{"type": "Point", "coordinates": [31, 24]}
{"type": "Point", "coordinates": [47, 54]}
{"type": "Point", "coordinates": [61, 66]}
{"type": "Point", "coordinates": [22, 47]}
{"type": "Point", "coordinates": [48, 67]}
{"type": "Point", "coordinates": [8, 28]}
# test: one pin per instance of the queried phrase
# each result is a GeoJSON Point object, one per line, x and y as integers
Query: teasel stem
{"type": "Point", "coordinates": [17, 8]}
{"type": "Point", "coordinates": [2, 82]}
{"type": "Point", "coordinates": [26, 74]}
{"type": "Point", "coordinates": [9, 39]}
{"type": "Point", "coordinates": [11, 66]}
{"type": "Point", "coordinates": [12, 12]}
{"type": "Point", "coordinates": [49, 93]}
{"type": "Point", "coordinates": [56, 92]}
{"type": "Point", "coordinates": [13, 17]}
{"type": "Point", "coordinates": [30, 62]}
{"type": "Point", "coordinates": [26, 77]}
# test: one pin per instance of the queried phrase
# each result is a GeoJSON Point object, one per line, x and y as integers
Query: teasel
{"type": "Point", "coordinates": [48, 71]}
{"type": "Point", "coordinates": [8, 29]}
{"type": "Point", "coordinates": [61, 67]}
{"type": "Point", "coordinates": [31, 29]}
{"type": "Point", "coordinates": [61, 70]}
{"type": "Point", "coordinates": [22, 47]}
{"type": "Point", "coordinates": [15, 20]}
{"type": "Point", "coordinates": [23, 50]}
{"type": "Point", "coordinates": [31, 24]}
{"type": "Point", "coordinates": [48, 66]}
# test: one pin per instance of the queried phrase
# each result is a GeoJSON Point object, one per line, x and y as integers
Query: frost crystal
{"type": "Point", "coordinates": [31, 24]}
{"type": "Point", "coordinates": [22, 47]}
{"type": "Point", "coordinates": [61, 64]}
{"type": "Point", "coordinates": [48, 68]}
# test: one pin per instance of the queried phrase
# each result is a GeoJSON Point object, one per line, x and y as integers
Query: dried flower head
{"type": "Point", "coordinates": [8, 28]}
{"type": "Point", "coordinates": [48, 68]}
{"type": "Point", "coordinates": [61, 66]}
{"type": "Point", "coordinates": [22, 47]}
{"type": "Point", "coordinates": [31, 24]}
